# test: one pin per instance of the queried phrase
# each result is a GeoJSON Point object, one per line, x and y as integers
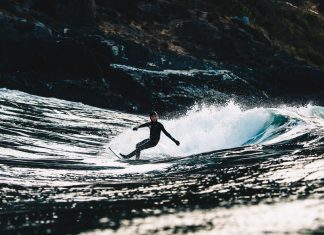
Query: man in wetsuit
{"type": "Point", "coordinates": [155, 131]}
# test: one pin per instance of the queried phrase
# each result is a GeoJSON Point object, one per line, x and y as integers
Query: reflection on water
{"type": "Point", "coordinates": [236, 171]}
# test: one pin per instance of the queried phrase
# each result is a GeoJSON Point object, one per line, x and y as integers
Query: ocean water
{"type": "Point", "coordinates": [237, 171]}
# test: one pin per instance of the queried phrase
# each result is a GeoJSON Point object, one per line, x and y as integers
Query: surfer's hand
{"type": "Point", "coordinates": [135, 129]}
{"type": "Point", "coordinates": [177, 142]}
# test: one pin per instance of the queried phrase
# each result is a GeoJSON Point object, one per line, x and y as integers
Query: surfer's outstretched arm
{"type": "Point", "coordinates": [140, 126]}
{"type": "Point", "coordinates": [170, 136]}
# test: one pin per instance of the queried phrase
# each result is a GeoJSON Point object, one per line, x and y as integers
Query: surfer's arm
{"type": "Point", "coordinates": [140, 126]}
{"type": "Point", "coordinates": [170, 136]}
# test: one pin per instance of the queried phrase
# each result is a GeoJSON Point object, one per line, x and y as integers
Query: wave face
{"type": "Point", "coordinates": [56, 169]}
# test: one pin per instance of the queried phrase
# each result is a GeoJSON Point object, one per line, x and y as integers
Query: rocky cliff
{"type": "Point", "coordinates": [164, 54]}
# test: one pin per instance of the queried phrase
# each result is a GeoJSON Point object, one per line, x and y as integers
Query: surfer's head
{"type": "Point", "coordinates": [154, 116]}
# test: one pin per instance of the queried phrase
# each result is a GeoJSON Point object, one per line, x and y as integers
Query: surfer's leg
{"type": "Point", "coordinates": [144, 145]}
{"type": "Point", "coordinates": [129, 155]}
{"type": "Point", "coordinates": [140, 144]}
{"type": "Point", "coordinates": [139, 147]}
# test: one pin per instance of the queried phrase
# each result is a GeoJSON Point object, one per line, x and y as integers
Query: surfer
{"type": "Point", "coordinates": [155, 131]}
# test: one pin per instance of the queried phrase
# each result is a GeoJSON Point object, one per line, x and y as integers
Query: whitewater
{"type": "Point", "coordinates": [214, 128]}
{"type": "Point", "coordinates": [56, 169]}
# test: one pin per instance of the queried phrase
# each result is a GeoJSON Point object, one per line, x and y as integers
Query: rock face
{"type": "Point", "coordinates": [159, 55]}
{"type": "Point", "coordinates": [74, 12]}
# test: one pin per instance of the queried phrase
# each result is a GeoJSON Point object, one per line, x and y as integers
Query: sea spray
{"type": "Point", "coordinates": [201, 130]}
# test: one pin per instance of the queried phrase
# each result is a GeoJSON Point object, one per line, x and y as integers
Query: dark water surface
{"type": "Point", "coordinates": [237, 171]}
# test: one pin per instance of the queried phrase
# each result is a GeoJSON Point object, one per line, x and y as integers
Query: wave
{"type": "Point", "coordinates": [51, 133]}
{"type": "Point", "coordinates": [43, 140]}
{"type": "Point", "coordinates": [53, 159]}
{"type": "Point", "coordinates": [213, 128]}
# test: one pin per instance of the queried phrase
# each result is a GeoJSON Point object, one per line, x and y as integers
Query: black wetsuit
{"type": "Point", "coordinates": [155, 133]}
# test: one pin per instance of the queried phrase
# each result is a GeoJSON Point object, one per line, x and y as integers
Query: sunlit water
{"type": "Point", "coordinates": [236, 171]}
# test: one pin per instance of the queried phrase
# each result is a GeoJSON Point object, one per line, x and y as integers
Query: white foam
{"type": "Point", "coordinates": [214, 128]}
{"type": "Point", "coordinates": [203, 130]}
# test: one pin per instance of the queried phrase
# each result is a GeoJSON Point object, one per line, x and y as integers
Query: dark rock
{"type": "Point", "coordinates": [56, 49]}
{"type": "Point", "coordinates": [6, 4]}
{"type": "Point", "coordinates": [240, 44]}
{"type": "Point", "coordinates": [42, 31]}
{"type": "Point", "coordinates": [296, 80]}
{"type": "Point", "coordinates": [153, 11]}
{"type": "Point", "coordinates": [76, 12]}
{"type": "Point", "coordinates": [81, 12]}
{"type": "Point", "coordinates": [246, 20]}
{"type": "Point", "coordinates": [24, 27]}
{"type": "Point", "coordinates": [198, 32]}
{"type": "Point", "coordinates": [47, 7]}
